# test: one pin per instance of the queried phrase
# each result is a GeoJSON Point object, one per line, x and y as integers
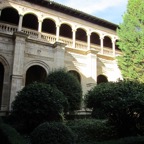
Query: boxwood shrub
{"type": "Point", "coordinates": [127, 140]}
{"type": "Point", "coordinates": [52, 133]}
{"type": "Point", "coordinates": [9, 135]}
{"type": "Point", "coordinates": [88, 130]}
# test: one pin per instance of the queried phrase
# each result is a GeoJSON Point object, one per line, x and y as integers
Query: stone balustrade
{"type": "Point", "coordinates": [10, 29]}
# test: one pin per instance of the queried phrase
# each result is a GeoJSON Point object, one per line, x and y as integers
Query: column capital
{"type": "Point", "coordinates": [21, 14]}
{"type": "Point", "coordinates": [58, 25]}
{"type": "Point", "coordinates": [74, 30]}
{"type": "Point", "coordinates": [102, 35]}
{"type": "Point", "coordinates": [113, 39]}
{"type": "Point", "coordinates": [88, 33]}
{"type": "Point", "coordinates": [40, 20]}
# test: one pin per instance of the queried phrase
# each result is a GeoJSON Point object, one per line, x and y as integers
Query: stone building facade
{"type": "Point", "coordinates": [37, 36]}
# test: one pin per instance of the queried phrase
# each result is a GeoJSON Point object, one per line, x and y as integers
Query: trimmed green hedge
{"type": "Point", "coordinates": [89, 130]}
{"type": "Point", "coordinates": [9, 135]}
{"type": "Point", "coordinates": [128, 140]}
{"type": "Point", "coordinates": [52, 133]}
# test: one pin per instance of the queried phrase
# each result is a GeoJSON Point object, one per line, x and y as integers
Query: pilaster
{"type": "Point", "coordinates": [18, 63]}
{"type": "Point", "coordinates": [92, 67]}
{"type": "Point", "coordinates": [59, 54]}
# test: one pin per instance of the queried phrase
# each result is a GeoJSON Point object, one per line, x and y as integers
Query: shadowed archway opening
{"type": "Point", "coordinates": [95, 39]}
{"type": "Point", "coordinates": [30, 21]}
{"type": "Point", "coordinates": [9, 15]}
{"type": "Point", "coordinates": [49, 26]}
{"type": "Point", "coordinates": [66, 31]}
{"type": "Point", "coordinates": [75, 74]}
{"type": "Point", "coordinates": [101, 79]}
{"type": "Point", "coordinates": [35, 74]}
{"type": "Point", "coordinates": [81, 35]}
{"type": "Point", "coordinates": [107, 42]}
{"type": "Point", "coordinates": [1, 81]}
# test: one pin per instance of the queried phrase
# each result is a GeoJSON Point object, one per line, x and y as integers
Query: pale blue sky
{"type": "Point", "coordinates": [110, 10]}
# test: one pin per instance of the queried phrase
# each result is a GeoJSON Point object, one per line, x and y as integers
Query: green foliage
{"type": "Point", "coordinates": [131, 35]}
{"type": "Point", "coordinates": [89, 130]}
{"type": "Point", "coordinates": [52, 133]}
{"type": "Point", "coordinates": [122, 102]}
{"type": "Point", "coordinates": [9, 135]}
{"type": "Point", "coordinates": [127, 140]}
{"type": "Point", "coordinates": [67, 84]}
{"type": "Point", "coordinates": [35, 104]}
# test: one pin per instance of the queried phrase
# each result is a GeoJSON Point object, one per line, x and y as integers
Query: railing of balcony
{"type": "Point", "coordinates": [10, 29]}
{"type": "Point", "coordinates": [7, 28]}
{"type": "Point", "coordinates": [48, 37]}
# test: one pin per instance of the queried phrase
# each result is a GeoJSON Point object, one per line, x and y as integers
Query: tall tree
{"type": "Point", "coordinates": [131, 41]}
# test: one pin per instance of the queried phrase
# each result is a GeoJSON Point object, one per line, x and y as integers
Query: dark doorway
{"type": "Point", "coordinates": [101, 79]}
{"type": "Point", "coordinates": [35, 73]}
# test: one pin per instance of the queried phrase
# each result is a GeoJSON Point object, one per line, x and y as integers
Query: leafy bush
{"type": "Point", "coordinates": [9, 135]}
{"type": "Point", "coordinates": [122, 102]}
{"type": "Point", "coordinates": [35, 104]}
{"type": "Point", "coordinates": [127, 140]}
{"type": "Point", "coordinates": [89, 130]}
{"type": "Point", "coordinates": [67, 84]}
{"type": "Point", "coordinates": [52, 133]}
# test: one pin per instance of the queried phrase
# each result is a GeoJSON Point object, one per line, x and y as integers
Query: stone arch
{"type": "Point", "coordinates": [66, 23]}
{"type": "Point", "coordinates": [35, 73]}
{"type": "Point", "coordinates": [9, 15]}
{"type": "Point", "coordinates": [30, 21]}
{"type": "Point", "coordinates": [4, 83]}
{"type": "Point", "coordinates": [107, 42]}
{"type": "Point", "coordinates": [101, 79]}
{"type": "Point", "coordinates": [76, 74]}
{"type": "Point", "coordinates": [49, 26]}
{"type": "Point", "coordinates": [1, 81]}
{"type": "Point", "coordinates": [95, 38]}
{"type": "Point", "coordinates": [41, 64]}
{"type": "Point", "coordinates": [81, 35]}
{"type": "Point", "coordinates": [66, 30]}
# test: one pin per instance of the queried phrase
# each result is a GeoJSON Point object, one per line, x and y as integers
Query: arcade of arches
{"type": "Point", "coordinates": [30, 21]}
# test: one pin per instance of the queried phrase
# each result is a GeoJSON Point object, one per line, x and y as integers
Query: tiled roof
{"type": "Point", "coordinates": [73, 12]}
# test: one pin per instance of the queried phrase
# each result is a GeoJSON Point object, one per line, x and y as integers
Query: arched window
{"type": "Point", "coordinates": [101, 79]}
{"type": "Point", "coordinates": [35, 73]}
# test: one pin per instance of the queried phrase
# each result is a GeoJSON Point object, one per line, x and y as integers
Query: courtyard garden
{"type": "Point", "coordinates": [44, 113]}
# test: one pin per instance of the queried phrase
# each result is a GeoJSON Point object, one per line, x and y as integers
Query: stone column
{"type": "Point", "coordinates": [18, 63]}
{"type": "Point", "coordinates": [39, 28]}
{"type": "Point", "coordinates": [101, 43]}
{"type": "Point", "coordinates": [57, 32]}
{"type": "Point", "coordinates": [59, 54]}
{"type": "Point", "coordinates": [20, 23]}
{"type": "Point", "coordinates": [113, 45]}
{"type": "Point", "coordinates": [88, 41]}
{"type": "Point", "coordinates": [74, 37]}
